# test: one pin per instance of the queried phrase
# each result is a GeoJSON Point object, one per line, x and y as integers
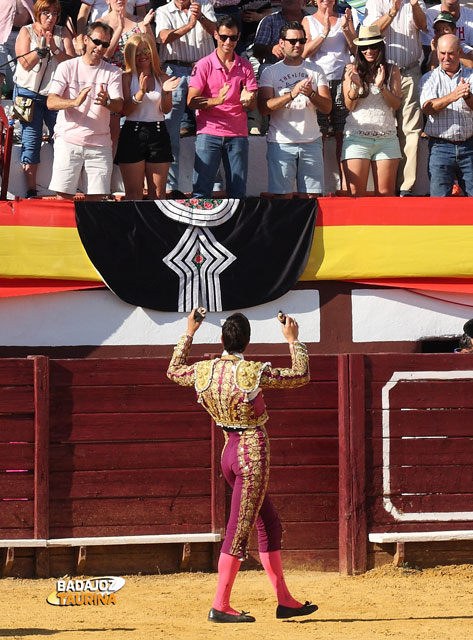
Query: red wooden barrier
{"type": "Point", "coordinates": [116, 449]}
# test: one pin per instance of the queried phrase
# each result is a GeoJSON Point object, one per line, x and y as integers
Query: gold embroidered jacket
{"type": "Point", "coordinates": [229, 388]}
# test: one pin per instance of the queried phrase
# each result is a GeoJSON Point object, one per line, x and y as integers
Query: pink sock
{"type": "Point", "coordinates": [227, 569]}
{"type": "Point", "coordinates": [271, 561]}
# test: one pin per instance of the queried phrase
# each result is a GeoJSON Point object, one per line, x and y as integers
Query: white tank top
{"type": "Point", "coordinates": [39, 78]}
{"type": "Point", "coordinates": [149, 110]}
{"type": "Point", "coordinates": [372, 117]}
{"type": "Point", "coordinates": [333, 54]}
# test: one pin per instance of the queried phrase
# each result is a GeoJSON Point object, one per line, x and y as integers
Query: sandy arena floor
{"type": "Point", "coordinates": [435, 604]}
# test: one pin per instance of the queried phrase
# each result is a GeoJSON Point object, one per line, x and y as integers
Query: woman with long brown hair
{"type": "Point", "coordinates": [144, 147]}
{"type": "Point", "coordinates": [372, 90]}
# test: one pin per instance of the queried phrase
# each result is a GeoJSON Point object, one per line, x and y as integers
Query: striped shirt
{"type": "Point", "coordinates": [268, 31]}
{"type": "Point", "coordinates": [455, 122]}
{"type": "Point", "coordinates": [403, 44]}
{"type": "Point", "coordinates": [195, 44]}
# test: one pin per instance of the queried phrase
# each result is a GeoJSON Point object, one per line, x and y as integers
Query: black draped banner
{"type": "Point", "coordinates": [175, 255]}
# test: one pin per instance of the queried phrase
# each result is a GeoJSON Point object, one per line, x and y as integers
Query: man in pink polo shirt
{"type": "Point", "coordinates": [85, 91]}
{"type": "Point", "coordinates": [221, 87]}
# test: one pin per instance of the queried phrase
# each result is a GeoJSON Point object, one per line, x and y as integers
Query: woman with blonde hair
{"type": "Point", "coordinates": [144, 146]}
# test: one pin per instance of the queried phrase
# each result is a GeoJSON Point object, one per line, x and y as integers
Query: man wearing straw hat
{"type": "Point", "coordinates": [401, 22]}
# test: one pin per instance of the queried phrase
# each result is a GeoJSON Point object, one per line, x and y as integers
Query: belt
{"type": "Point", "coordinates": [180, 63]}
{"type": "Point", "coordinates": [451, 141]}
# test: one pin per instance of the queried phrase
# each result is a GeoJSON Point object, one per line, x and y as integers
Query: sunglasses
{"type": "Point", "coordinates": [294, 41]}
{"type": "Point", "coordinates": [49, 14]}
{"type": "Point", "coordinates": [365, 47]}
{"type": "Point", "coordinates": [224, 38]}
{"type": "Point", "coordinates": [143, 52]}
{"type": "Point", "coordinates": [99, 43]}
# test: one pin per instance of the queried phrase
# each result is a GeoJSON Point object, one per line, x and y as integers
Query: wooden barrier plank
{"type": "Point", "coordinates": [16, 372]}
{"type": "Point", "coordinates": [302, 423]}
{"type": "Point", "coordinates": [345, 538]}
{"type": "Point", "coordinates": [422, 422]}
{"type": "Point", "coordinates": [310, 535]}
{"type": "Point", "coordinates": [119, 371]}
{"type": "Point", "coordinates": [17, 428]}
{"type": "Point", "coordinates": [304, 451]}
{"type": "Point", "coordinates": [315, 395]}
{"type": "Point", "coordinates": [79, 530]}
{"type": "Point", "coordinates": [121, 399]}
{"type": "Point", "coordinates": [392, 526]}
{"type": "Point", "coordinates": [428, 394]}
{"type": "Point", "coordinates": [16, 456]}
{"type": "Point", "coordinates": [111, 371]}
{"type": "Point", "coordinates": [16, 399]}
{"type": "Point", "coordinates": [293, 479]}
{"type": "Point", "coordinates": [41, 451]}
{"type": "Point", "coordinates": [99, 427]}
{"type": "Point", "coordinates": [16, 514]}
{"type": "Point", "coordinates": [16, 485]}
{"type": "Point", "coordinates": [126, 399]}
{"type": "Point", "coordinates": [134, 483]}
{"type": "Point", "coordinates": [126, 455]}
{"type": "Point", "coordinates": [131, 511]}
{"type": "Point", "coordinates": [309, 507]}
{"type": "Point", "coordinates": [449, 478]}
{"type": "Point", "coordinates": [417, 452]}
{"type": "Point", "coordinates": [381, 367]}
{"type": "Point", "coordinates": [430, 503]}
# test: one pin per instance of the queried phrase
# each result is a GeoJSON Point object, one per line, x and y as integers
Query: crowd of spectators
{"type": "Point", "coordinates": [123, 80]}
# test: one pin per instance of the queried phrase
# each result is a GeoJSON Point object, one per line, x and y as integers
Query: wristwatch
{"type": "Point", "coordinates": [322, 35]}
{"type": "Point", "coordinates": [391, 15]}
{"type": "Point", "coordinates": [107, 101]}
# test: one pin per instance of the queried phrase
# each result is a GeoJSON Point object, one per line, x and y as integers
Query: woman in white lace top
{"type": "Point", "coordinates": [372, 90]}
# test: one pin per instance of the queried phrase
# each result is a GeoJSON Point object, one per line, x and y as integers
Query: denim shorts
{"type": "Point", "coordinates": [296, 167]}
{"type": "Point", "coordinates": [363, 148]}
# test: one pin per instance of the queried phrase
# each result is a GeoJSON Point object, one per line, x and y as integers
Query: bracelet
{"type": "Point", "coordinates": [55, 52]}
{"type": "Point", "coordinates": [322, 35]}
{"type": "Point", "coordinates": [201, 17]}
{"type": "Point", "coordinates": [391, 15]}
{"type": "Point", "coordinates": [291, 96]}
{"type": "Point", "coordinates": [351, 97]}
{"type": "Point", "coordinates": [311, 94]}
{"type": "Point", "coordinates": [135, 101]}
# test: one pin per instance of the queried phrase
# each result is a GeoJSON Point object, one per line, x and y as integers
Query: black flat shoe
{"type": "Point", "coordinates": [220, 616]}
{"type": "Point", "coordinates": [292, 612]}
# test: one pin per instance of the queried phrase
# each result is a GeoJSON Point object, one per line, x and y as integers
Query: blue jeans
{"type": "Point", "coordinates": [174, 118]}
{"type": "Point", "coordinates": [32, 132]}
{"type": "Point", "coordinates": [209, 151]}
{"type": "Point", "coordinates": [448, 161]}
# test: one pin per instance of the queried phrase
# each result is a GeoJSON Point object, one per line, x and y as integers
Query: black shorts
{"type": "Point", "coordinates": [148, 141]}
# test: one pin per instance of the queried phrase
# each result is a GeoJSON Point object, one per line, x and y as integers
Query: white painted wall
{"type": "Point", "coordinates": [257, 173]}
{"type": "Point", "coordinates": [100, 318]}
{"type": "Point", "coordinates": [397, 314]}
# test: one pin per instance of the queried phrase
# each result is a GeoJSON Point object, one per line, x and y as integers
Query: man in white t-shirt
{"type": "Point", "coordinates": [291, 91]}
{"type": "Point", "coordinates": [463, 17]}
{"type": "Point", "coordinates": [85, 91]}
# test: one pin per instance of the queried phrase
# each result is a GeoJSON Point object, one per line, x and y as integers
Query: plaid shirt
{"type": "Point", "coordinates": [455, 122]}
{"type": "Point", "coordinates": [268, 31]}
